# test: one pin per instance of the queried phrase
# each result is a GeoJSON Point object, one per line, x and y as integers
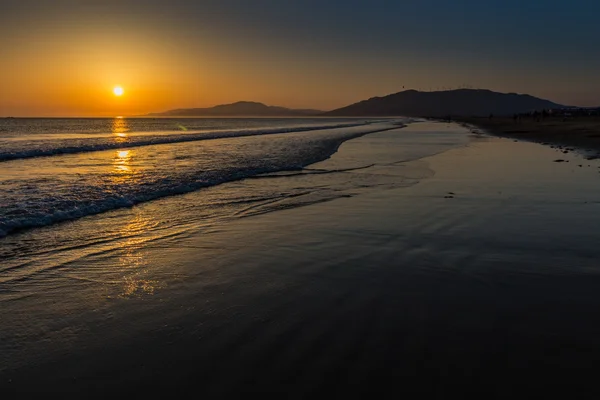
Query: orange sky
{"type": "Point", "coordinates": [75, 77]}
{"type": "Point", "coordinates": [72, 72]}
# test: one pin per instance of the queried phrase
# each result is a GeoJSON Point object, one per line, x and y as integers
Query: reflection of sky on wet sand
{"type": "Point", "coordinates": [132, 261]}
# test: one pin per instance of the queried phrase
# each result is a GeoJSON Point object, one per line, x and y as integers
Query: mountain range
{"type": "Point", "coordinates": [410, 103]}
{"type": "Point", "coordinates": [460, 102]}
{"type": "Point", "coordinates": [239, 109]}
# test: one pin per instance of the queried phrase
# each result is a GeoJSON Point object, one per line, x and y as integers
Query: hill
{"type": "Point", "coordinates": [239, 109]}
{"type": "Point", "coordinates": [465, 102]}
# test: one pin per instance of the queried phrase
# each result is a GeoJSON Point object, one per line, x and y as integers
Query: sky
{"type": "Point", "coordinates": [64, 57]}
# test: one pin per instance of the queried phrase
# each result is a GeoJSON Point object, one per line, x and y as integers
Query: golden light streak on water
{"type": "Point", "coordinates": [122, 160]}
{"type": "Point", "coordinates": [120, 127]}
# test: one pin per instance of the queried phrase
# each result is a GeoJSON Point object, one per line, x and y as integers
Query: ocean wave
{"type": "Point", "coordinates": [47, 148]}
{"type": "Point", "coordinates": [31, 205]}
{"type": "Point", "coordinates": [308, 171]}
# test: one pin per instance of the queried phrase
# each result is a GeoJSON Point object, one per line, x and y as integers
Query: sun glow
{"type": "Point", "coordinates": [118, 91]}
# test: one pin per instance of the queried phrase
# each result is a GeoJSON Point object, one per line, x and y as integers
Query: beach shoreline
{"type": "Point", "coordinates": [580, 134]}
{"type": "Point", "coordinates": [430, 276]}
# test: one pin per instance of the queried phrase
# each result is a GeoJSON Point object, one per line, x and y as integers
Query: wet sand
{"type": "Point", "coordinates": [582, 133]}
{"type": "Point", "coordinates": [478, 280]}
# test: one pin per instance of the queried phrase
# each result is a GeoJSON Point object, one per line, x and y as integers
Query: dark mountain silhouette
{"type": "Point", "coordinates": [239, 109]}
{"type": "Point", "coordinates": [463, 102]}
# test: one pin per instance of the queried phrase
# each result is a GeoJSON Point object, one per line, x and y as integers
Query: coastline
{"type": "Point", "coordinates": [572, 134]}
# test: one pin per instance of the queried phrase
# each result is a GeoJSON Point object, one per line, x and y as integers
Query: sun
{"type": "Point", "coordinates": [118, 91]}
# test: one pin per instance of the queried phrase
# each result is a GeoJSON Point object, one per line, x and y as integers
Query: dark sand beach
{"type": "Point", "coordinates": [472, 272]}
{"type": "Point", "coordinates": [582, 133]}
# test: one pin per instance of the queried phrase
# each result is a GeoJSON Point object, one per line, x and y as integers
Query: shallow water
{"type": "Point", "coordinates": [110, 182]}
{"type": "Point", "coordinates": [381, 269]}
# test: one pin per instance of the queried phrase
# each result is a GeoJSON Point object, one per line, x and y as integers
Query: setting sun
{"type": "Point", "coordinates": [118, 91]}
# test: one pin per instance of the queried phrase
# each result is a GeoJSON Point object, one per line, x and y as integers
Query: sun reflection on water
{"type": "Point", "coordinates": [120, 128]}
{"type": "Point", "coordinates": [122, 161]}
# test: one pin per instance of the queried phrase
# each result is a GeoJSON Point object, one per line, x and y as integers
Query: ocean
{"type": "Point", "coordinates": [294, 257]}
{"type": "Point", "coordinates": [64, 169]}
